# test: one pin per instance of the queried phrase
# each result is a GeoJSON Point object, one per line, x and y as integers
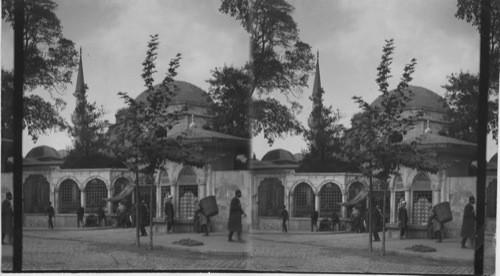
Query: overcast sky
{"type": "Point", "coordinates": [348, 34]}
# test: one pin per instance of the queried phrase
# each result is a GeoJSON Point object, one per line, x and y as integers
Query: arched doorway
{"type": "Point", "coordinates": [303, 200]}
{"type": "Point", "coordinates": [69, 197]}
{"type": "Point", "coordinates": [330, 196]}
{"type": "Point", "coordinates": [36, 193]}
{"type": "Point", "coordinates": [422, 198]}
{"type": "Point", "coordinates": [271, 196]}
{"type": "Point", "coordinates": [96, 195]}
{"type": "Point", "coordinates": [188, 192]}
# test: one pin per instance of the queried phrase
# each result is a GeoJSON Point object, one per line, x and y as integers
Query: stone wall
{"type": "Point", "coordinates": [460, 188]}
{"type": "Point", "coordinates": [225, 184]}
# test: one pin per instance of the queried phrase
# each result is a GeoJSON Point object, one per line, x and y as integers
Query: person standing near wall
{"type": "Point", "coordinates": [377, 222]}
{"type": "Point", "coordinates": [436, 227]}
{"type": "Point", "coordinates": [7, 216]}
{"type": "Point", "coordinates": [79, 217]}
{"type": "Point", "coordinates": [50, 214]}
{"type": "Point", "coordinates": [284, 218]}
{"type": "Point", "coordinates": [143, 215]}
{"type": "Point", "coordinates": [403, 219]}
{"type": "Point", "coordinates": [235, 213]}
{"type": "Point", "coordinates": [314, 220]}
{"type": "Point", "coordinates": [169, 213]}
{"type": "Point", "coordinates": [469, 222]}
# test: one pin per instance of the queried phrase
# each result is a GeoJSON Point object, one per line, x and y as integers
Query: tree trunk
{"type": "Point", "coordinates": [137, 241]}
{"type": "Point", "coordinates": [151, 217]}
{"type": "Point", "coordinates": [383, 219]}
{"type": "Point", "coordinates": [370, 203]}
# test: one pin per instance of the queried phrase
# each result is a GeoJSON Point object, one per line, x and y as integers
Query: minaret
{"type": "Point", "coordinates": [316, 92]}
{"type": "Point", "coordinates": [80, 88]}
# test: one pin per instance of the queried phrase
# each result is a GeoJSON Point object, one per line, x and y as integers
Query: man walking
{"type": "Point", "coordinates": [143, 215]}
{"type": "Point", "coordinates": [50, 214]}
{"type": "Point", "coordinates": [7, 215]}
{"type": "Point", "coordinates": [235, 213]}
{"type": "Point", "coordinates": [314, 220]}
{"type": "Point", "coordinates": [169, 213]}
{"type": "Point", "coordinates": [79, 216]}
{"type": "Point", "coordinates": [284, 217]}
{"type": "Point", "coordinates": [377, 223]}
{"type": "Point", "coordinates": [469, 222]}
{"type": "Point", "coordinates": [403, 219]}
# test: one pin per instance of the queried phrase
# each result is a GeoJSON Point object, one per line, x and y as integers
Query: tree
{"type": "Point", "coordinates": [324, 139]}
{"type": "Point", "coordinates": [143, 139]}
{"type": "Point", "coordinates": [279, 61]}
{"type": "Point", "coordinates": [376, 136]}
{"type": "Point", "coordinates": [89, 135]}
{"type": "Point", "coordinates": [49, 60]}
{"type": "Point", "coordinates": [462, 94]}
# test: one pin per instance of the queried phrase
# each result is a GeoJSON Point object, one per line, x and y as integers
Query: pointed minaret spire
{"type": "Point", "coordinates": [317, 79]}
{"type": "Point", "coordinates": [80, 83]}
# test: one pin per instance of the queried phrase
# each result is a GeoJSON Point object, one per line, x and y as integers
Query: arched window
{"type": "Point", "coordinates": [303, 200]}
{"type": "Point", "coordinates": [422, 198]}
{"type": "Point", "coordinates": [188, 192]}
{"type": "Point", "coordinates": [330, 196]}
{"type": "Point", "coordinates": [96, 195]}
{"type": "Point", "coordinates": [36, 194]}
{"type": "Point", "coordinates": [69, 197]}
{"type": "Point", "coordinates": [352, 191]}
{"type": "Point", "coordinates": [118, 187]}
{"type": "Point", "coordinates": [271, 196]}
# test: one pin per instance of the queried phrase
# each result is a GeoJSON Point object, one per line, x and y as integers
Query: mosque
{"type": "Point", "coordinates": [267, 184]}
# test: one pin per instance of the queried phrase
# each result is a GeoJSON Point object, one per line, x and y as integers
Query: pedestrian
{"type": "Point", "coordinates": [143, 215]}
{"type": "Point", "coordinates": [436, 226]}
{"type": "Point", "coordinates": [50, 214]}
{"type": "Point", "coordinates": [235, 213]}
{"type": "Point", "coordinates": [430, 229]}
{"type": "Point", "coordinates": [284, 218]}
{"type": "Point", "coordinates": [122, 215]}
{"type": "Point", "coordinates": [79, 216]}
{"type": "Point", "coordinates": [101, 216]}
{"type": "Point", "coordinates": [377, 222]}
{"type": "Point", "coordinates": [7, 216]}
{"type": "Point", "coordinates": [403, 219]}
{"type": "Point", "coordinates": [355, 219]}
{"type": "Point", "coordinates": [169, 214]}
{"type": "Point", "coordinates": [202, 220]}
{"type": "Point", "coordinates": [196, 221]}
{"type": "Point", "coordinates": [469, 222]}
{"type": "Point", "coordinates": [314, 220]}
{"type": "Point", "coordinates": [335, 220]}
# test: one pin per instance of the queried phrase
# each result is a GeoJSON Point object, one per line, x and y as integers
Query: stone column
{"type": "Point", "coordinates": [159, 202]}
{"type": "Point", "coordinates": [83, 199]}
{"type": "Point", "coordinates": [393, 206]}
{"type": "Point", "coordinates": [344, 209]}
{"type": "Point", "coordinates": [409, 205]}
{"type": "Point", "coordinates": [173, 192]}
{"type": "Point", "coordinates": [316, 202]}
{"type": "Point", "coordinates": [436, 197]}
{"type": "Point", "coordinates": [290, 207]}
{"type": "Point", "coordinates": [55, 201]}
{"type": "Point", "coordinates": [109, 204]}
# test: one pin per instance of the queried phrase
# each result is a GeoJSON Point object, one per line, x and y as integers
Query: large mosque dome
{"type": "Point", "coordinates": [423, 99]}
{"type": "Point", "coordinates": [186, 93]}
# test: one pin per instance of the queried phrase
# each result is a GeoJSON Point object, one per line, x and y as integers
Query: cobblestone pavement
{"type": "Point", "coordinates": [105, 250]}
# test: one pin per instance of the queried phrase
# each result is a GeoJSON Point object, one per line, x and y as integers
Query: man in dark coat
{"type": "Point", "coordinates": [377, 222]}
{"type": "Point", "coordinates": [403, 219]}
{"type": "Point", "coordinates": [314, 220]}
{"type": "Point", "coordinates": [50, 214]}
{"type": "Point", "coordinates": [143, 215]}
{"type": "Point", "coordinates": [79, 216]}
{"type": "Point", "coordinates": [7, 215]}
{"type": "Point", "coordinates": [284, 218]}
{"type": "Point", "coordinates": [469, 222]}
{"type": "Point", "coordinates": [169, 213]}
{"type": "Point", "coordinates": [235, 213]}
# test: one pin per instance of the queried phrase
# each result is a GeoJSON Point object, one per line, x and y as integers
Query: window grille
{"type": "Point", "coordinates": [36, 194]}
{"type": "Point", "coordinates": [421, 182]}
{"type": "Point", "coordinates": [271, 197]}
{"type": "Point", "coordinates": [187, 195]}
{"type": "Point", "coordinates": [303, 200]}
{"type": "Point", "coordinates": [69, 197]}
{"type": "Point", "coordinates": [422, 200]}
{"type": "Point", "coordinates": [96, 195]}
{"type": "Point", "coordinates": [400, 197]}
{"type": "Point", "coordinates": [329, 197]}
{"type": "Point", "coordinates": [144, 194]}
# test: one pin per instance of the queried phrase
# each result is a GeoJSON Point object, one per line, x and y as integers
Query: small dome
{"type": "Point", "coordinates": [187, 93]}
{"type": "Point", "coordinates": [279, 156]}
{"type": "Point", "coordinates": [422, 99]}
{"type": "Point", "coordinates": [43, 153]}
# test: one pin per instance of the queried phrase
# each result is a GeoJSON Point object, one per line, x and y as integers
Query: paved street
{"type": "Point", "coordinates": [114, 249]}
